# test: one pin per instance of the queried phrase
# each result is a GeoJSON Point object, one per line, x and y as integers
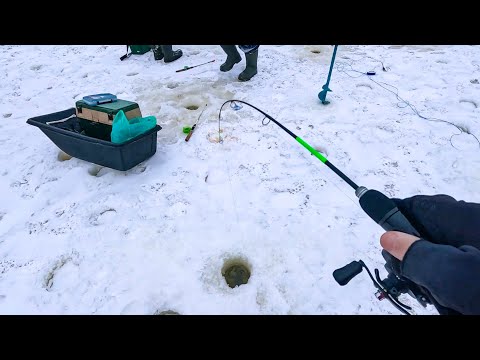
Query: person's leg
{"type": "Point", "coordinates": [251, 58]}
{"type": "Point", "coordinates": [169, 54]}
{"type": "Point", "coordinates": [157, 52]}
{"type": "Point", "coordinates": [233, 57]}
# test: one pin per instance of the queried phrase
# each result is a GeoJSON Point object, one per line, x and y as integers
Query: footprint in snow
{"type": "Point", "coordinates": [102, 217]}
{"type": "Point", "coordinates": [364, 85]}
{"type": "Point", "coordinates": [95, 170]}
{"type": "Point", "coordinates": [469, 104]}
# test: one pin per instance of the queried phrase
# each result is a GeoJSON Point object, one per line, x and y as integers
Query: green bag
{"type": "Point", "coordinates": [140, 49]}
{"type": "Point", "coordinates": [124, 129]}
{"type": "Point", "coordinates": [136, 49]}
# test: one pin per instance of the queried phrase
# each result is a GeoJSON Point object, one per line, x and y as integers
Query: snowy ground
{"type": "Point", "coordinates": [76, 238]}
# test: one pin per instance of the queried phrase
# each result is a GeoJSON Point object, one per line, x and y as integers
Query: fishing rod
{"type": "Point", "coordinates": [191, 67]}
{"type": "Point", "coordinates": [190, 133]}
{"type": "Point", "coordinates": [380, 209]}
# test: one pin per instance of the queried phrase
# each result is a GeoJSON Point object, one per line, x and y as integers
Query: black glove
{"type": "Point", "coordinates": [439, 219]}
{"type": "Point", "coordinates": [443, 220]}
{"type": "Point", "coordinates": [447, 271]}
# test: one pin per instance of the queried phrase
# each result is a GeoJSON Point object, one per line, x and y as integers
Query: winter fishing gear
{"type": "Point", "coordinates": [124, 129]}
{"type": "Point", "coordinates": [322, 95]}
{"type": "Point", "coordinates": [251, 69]}
{"type": "Point", "coordinates": [165, 52]}
{"type": "Point", "coordinates": [191, 67]}
{"type": "Point", "coordinates": [65, 130]}
{"type": "Point", "coordinates": [384, 212]}
{"type": "Point", "coordinates": [106, 111]}
{"type": "Point", "coordinates": [98, 99]}
{"type": "Point", "coordinates": [157, 52]}
{"type": "Point", "coordinates": [233, 57]}
{"type": "Point", "coordinates": [247, 49]}
{"type": "Point", "coordinates": [169, 54]}
{"type": "Point", "coordinates": [190, 133]}
{"type": "Point", "coordinates": [135, 49]}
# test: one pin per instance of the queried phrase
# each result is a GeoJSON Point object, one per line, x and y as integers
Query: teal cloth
{"type": "Point", "coordinates": [124, 129]}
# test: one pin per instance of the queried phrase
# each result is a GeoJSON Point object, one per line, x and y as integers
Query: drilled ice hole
{"type": "Point", "coordinates": [236, 272]}
{"type": "Point", "coordinates": [165, 312]}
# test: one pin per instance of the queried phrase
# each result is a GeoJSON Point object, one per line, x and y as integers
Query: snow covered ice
{"type": "Point", "coordinates": [78, 238]}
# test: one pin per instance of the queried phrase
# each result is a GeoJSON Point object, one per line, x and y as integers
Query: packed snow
{"type": "Point", "coordinates": [78, 238]}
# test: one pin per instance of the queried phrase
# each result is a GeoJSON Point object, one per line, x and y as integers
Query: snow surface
{"type": "Point", "coordinates": [77, 238]}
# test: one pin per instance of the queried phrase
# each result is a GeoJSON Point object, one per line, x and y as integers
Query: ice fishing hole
{"type": "Point", "coordinates": [236, 272]}
{"type": "Point", "coordinates": [166, 312]}
{"type": "Point", "coordinates": [191, 107]}
{"type": "Point", "coordinates": [316, 51]}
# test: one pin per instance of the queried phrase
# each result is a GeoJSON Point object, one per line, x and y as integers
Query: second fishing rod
{"type": "Point", "coordinates": [379, 208]}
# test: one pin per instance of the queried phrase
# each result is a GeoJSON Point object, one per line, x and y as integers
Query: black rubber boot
{"type": "Point", "coordinates": [169, 54]}
{"type": "Point", "coordinates": [233, 57]}
{"type": "Point", "coordinates": [251, 68]}
{"type": "Point", "coordinates": [157, 52]}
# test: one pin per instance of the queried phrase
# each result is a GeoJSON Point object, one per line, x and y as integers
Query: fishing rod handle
{"type": "Point", "coordinates": [190, 133]}
{"type": "Point", "coordinates": [384, 211]}
{"type": "Point", "coordinates": [183, 70]}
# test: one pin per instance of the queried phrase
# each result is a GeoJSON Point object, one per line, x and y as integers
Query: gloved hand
{"type": "Point", "coordinates": [446, 260]}
{"type": "Point", "coordinates": [442, 219]}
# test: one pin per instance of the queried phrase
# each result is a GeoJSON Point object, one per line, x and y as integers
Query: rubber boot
{"type": "Point", "coordinates": [251, 68]}
{"type": "Point", "coordinates": [233, 57]}
{"type": "Point", "coordinates": [157, 52]}
{"type": "Point", "coordinates": [169, 54]}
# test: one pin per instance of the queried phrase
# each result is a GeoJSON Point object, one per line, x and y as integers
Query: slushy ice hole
{"type": "Point", "coordinates": [191, 107]}
{"type": "Point", "coordinates": [166, 312]}
{"type": "Point", "coordinates": [236, 272]}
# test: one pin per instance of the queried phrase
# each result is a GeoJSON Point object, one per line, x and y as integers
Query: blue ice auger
{"type": "Point", "coordinates": [322, 95]}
